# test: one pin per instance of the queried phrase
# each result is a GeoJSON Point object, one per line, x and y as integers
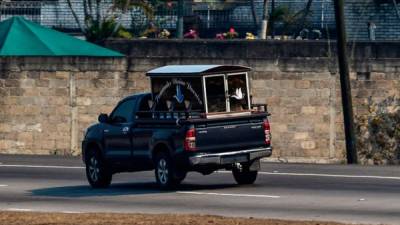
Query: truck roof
{"type": "Point", "coordinates": [195, 70]}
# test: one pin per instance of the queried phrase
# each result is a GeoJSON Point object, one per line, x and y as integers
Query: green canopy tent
{"type": "Point", "coordinates": [21, 37]}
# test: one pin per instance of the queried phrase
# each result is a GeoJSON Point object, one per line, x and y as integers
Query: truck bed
{"type": "Point", "coordinates": [222, 134]}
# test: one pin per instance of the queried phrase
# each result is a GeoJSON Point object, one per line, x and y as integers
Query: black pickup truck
{"type": "Point", "coordinates": [196, 118]}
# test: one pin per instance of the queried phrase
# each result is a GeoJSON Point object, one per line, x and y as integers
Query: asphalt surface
{"type": "Point", "coordinates": [356, 194]}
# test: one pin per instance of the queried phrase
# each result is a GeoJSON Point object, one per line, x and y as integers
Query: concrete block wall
{"type": "Point", "coordinates": [46, 103]}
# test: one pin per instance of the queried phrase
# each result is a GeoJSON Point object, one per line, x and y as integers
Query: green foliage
{"type": "Point", "coordinates": [126, 5]}
{"type": "Point", "coordinates": [162, 5]}
{"type": "Point", "coordinates": [123, 33]}
{"type": "Point", "coordinates": [149, 32]}
{"type": "Point", "coordinates": [100, 24]}
{"type": "Point", "coordinates": [98, 32]}
{"type": "Point", "coordinates": [291, 21]}
{"type": "Point", "coordinates": [147, 27]}
{"type": "Point", "coordinates": [378, 132]}
{"type": "Point", "coordinates": [280, 13]}
{"type": "Point", "coordinates": [231, 35]}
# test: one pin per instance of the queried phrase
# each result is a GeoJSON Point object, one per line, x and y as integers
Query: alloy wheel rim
{"type": "Point", "coordinates": [162, 171]}
{"type": "Point", "coordinates": [94, 169]}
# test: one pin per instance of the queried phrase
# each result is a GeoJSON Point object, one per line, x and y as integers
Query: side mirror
{"type": "Point", "coordinates": [103, 118]}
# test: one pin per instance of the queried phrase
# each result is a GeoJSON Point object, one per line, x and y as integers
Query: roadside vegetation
{"type": "Point", "coordinates": [378, 132]}
{"type": "Point", "coordinates": [20, 218]}
{"type": "Point", "coordinates": [101, 21]}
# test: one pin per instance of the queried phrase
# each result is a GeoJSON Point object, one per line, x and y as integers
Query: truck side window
{"type": "Point", "coordinates": [144, 103]}
{"type": "Point", "coordinates": [124, 112]}
{"type": "Point", "coordinates": [144, 107]}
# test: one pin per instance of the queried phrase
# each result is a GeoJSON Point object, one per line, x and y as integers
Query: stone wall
{"type": "Point", "coordinates": [46, 103]}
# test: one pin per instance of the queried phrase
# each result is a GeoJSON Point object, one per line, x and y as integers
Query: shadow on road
{"type": "Point", "coordinates": [120, 189]}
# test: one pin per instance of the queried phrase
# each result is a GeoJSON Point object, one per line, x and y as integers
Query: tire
{"type": "Point", "coordinates": [245, 176]}
{"type": "Point", "coordinates": [165, 172]}
{"type": "Point", "coordinates": [180, 176]}
{"type": "Point", "coordinates": [97, 172]}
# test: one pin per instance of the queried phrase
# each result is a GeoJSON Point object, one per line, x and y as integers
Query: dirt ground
{"type": "Point", "coordinates": [28, 218]}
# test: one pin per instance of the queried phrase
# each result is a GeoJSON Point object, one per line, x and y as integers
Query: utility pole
{"type": "Point", "coordinates": [179, 25]}
{"type": "Point", "coordinates": [351, 150]}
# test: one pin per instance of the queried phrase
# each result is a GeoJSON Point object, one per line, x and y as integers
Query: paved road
{"type": "Point", "coordinates": [286, 191]}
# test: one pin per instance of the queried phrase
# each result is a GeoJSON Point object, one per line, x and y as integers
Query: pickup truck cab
{"type": "Point", "coordinates": [196, 118]}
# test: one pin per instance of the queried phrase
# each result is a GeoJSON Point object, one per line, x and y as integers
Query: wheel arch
{"type": "Point", "coordinates": [160, 147]}
{"type": "Point", "coordinates": [92, 146]}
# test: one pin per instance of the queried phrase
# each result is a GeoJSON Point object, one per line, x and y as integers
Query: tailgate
{"type": "Point", "coordinates": [234, 135]}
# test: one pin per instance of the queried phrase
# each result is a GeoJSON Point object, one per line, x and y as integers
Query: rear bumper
{"type": "Point", "coordinates": [226, 158]}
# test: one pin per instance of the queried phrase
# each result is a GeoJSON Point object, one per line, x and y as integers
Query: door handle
{"type": "Point", "coordinates": [125, 129]}
{"type": "Point", "coordinates": [106, 131]}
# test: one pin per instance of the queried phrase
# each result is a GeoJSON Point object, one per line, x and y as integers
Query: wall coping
{"type": "Point", "coordinates": [251, 49]}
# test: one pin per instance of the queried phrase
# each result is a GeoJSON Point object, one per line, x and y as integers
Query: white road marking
{"type": "Point", "coordinates": [3, 185]}
{"type": "Point", "coordinates": [261, 172]}
{"type": "Point", "coordinates": [71, 212]}
{"type": "Point", "coordinates": [19, 210]}
{"type": "Point", "coordinates": [42, 166]}
{"type": "Point", "coordinates": [227, 194]}
{"type": "Point", "coordinates": [333, 175]}
{"type": "Point", "coordinates": [324, 175]}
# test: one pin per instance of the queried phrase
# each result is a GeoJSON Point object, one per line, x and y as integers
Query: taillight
{"type": "Point", "coordinates": [267, 132]}
{"type": "Point", "coordinates": [190, 140]}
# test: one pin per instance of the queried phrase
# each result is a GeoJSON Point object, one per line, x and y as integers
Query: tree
{"type": "Point", "coordinates": [293, 22]}
{"type": "Point", "coordinates": [98, 26]}
{"type": "Point", "coordinates": [126, 5]}
{"type": "Point", "coordinates": [264, 23]}
{"type": "Point", "coordinates": [254, 14]}
{"type": "Point", "coordinates": [286, 16]}
{"type": "Point", "coordinates": [304, 14]}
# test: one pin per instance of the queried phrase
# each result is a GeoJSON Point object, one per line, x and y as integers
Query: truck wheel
{"type": "Point", "coordinates": [165, 172]}
{"type": "Point", "coordinates": [97, 173]}
{"type": "Point", "coordinates": [245, 176]}
{"type": "Point", "coordinates": [179, 177]}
